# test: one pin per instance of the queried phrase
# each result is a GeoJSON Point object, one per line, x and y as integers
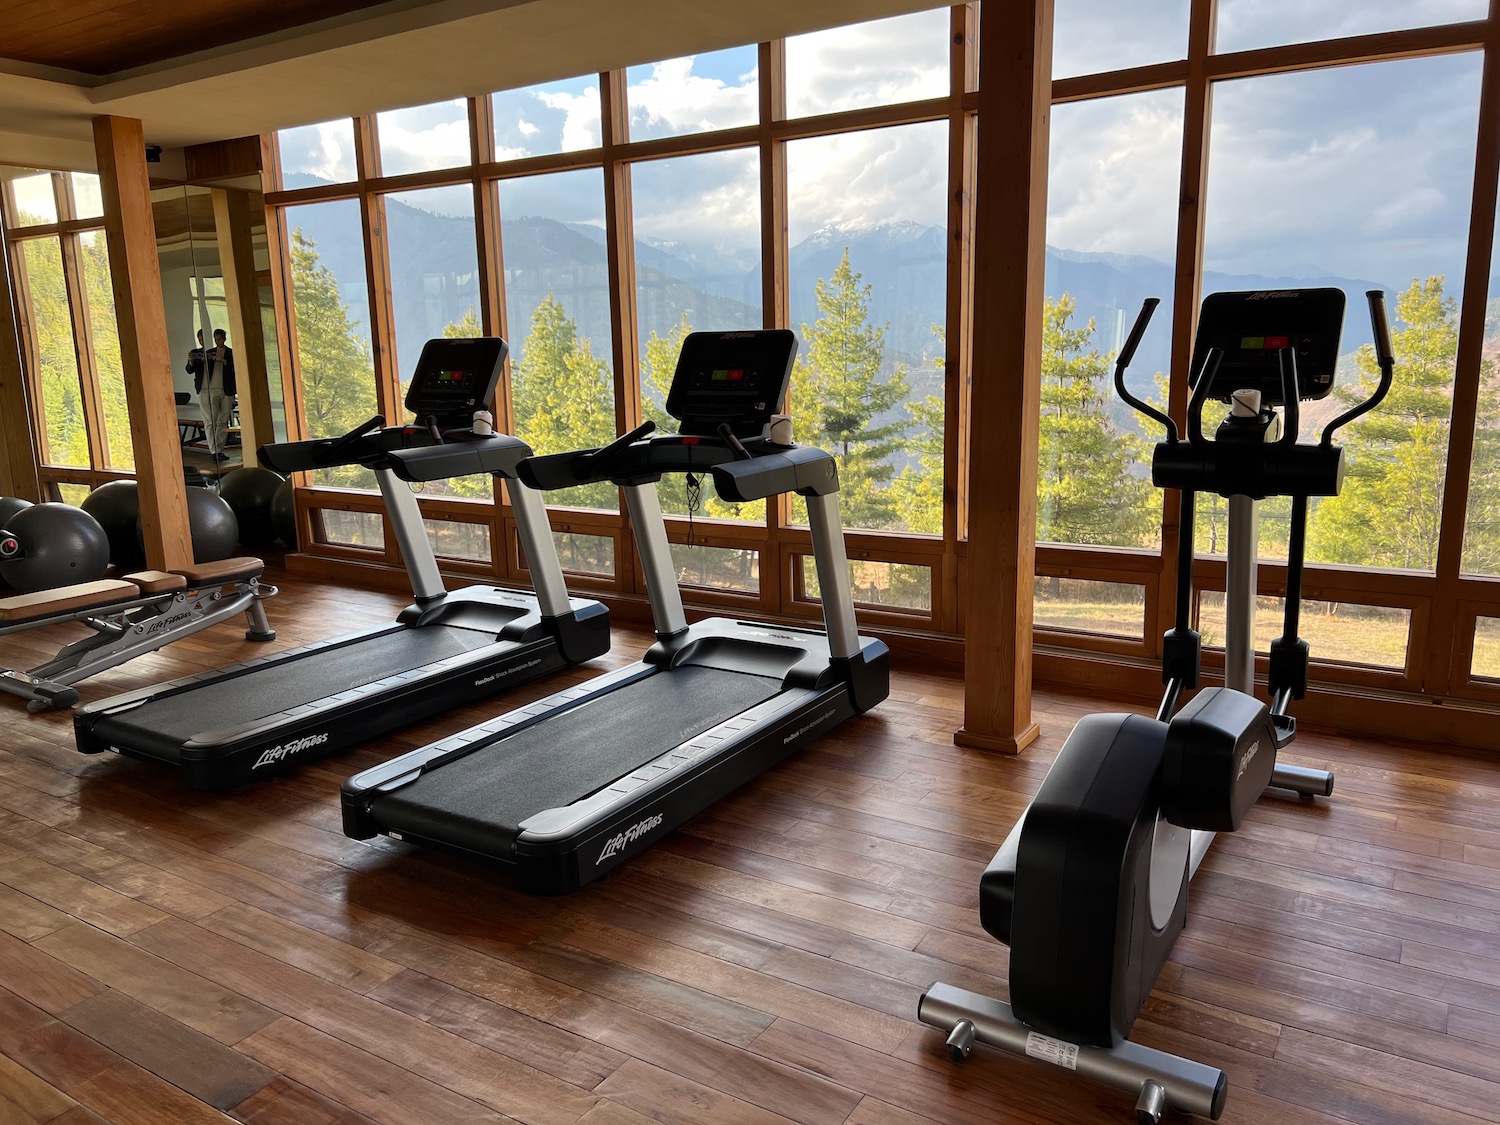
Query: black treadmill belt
{"type": "Point", "coordinates": [478, 801]}
{"type": "Point", "coordinates": [220, 704]}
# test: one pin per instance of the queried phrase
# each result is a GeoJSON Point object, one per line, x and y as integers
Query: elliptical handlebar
{"type": "Point", "coordinates": [1291, 396]}
{"type": "Point", "coordinates": [1205, 380]}
{"type": "Point", "coordinates": [1385, 358]}
{"type": "Point", "coordinates": [1127, 353]}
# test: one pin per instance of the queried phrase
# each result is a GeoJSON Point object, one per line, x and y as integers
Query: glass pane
{"type": "Point", "coordinates": [1114, 608]}
{"type": "Point", "coordinates": [331, 304]}
{"type": "Point", "coordinates": [105, 332]}
{"type": "Point", "coordinates": [902, 59]}
{"type": "Point", "coordinates": [453, 540]}
{"type": "Point", "coordinates": [879, 585]}
{"type": "Point", "coordinates": [424, 137]}
{"type": "Point", "coordinates": [557, 312]}
{"type": "Point", "coordinates": [87, 202]}
{"type": "Point", "coordinates": [552, 117]}
{"type": "Point", "coordinates": [1090, 36]}
{"type": "Point", "coordinates": [269, 328]}
{"type": "Point", "coordinates": [718, 568]}
{"type": "Point", "coordinates": [74, 494]}
{"type": "Point", "coordinates": [1246, 24]}
{"type": "Point", "coordinates": [1337, 177]}
{"type": "Point", "coordinates": [34, 200]}
{"type": "Point", "coordinates": [585, 554]}
{"type": "Point", "coordinates": [1111, 236]}
{"type": "Point", "coordinates": [693, 94]}
{"type": "Point", "coordinates": [317, 154]}
{"type": "Point", "coordinates": [869, 259]}
{"type": "Point", "coordinates": [1481, 549]}
{"type": "Point", "coordinates": [352, 529]}
{"type": "Point", "coordinates": [434, 287]}
{"type": "Point", "coordinates": [1486, 660]}
{"type": "Point", "coordinates": [697, 247]}
{"type": "Point", "coordinates": [1341, 631]}
{"type": "Point", "coordinates": [57, 370]}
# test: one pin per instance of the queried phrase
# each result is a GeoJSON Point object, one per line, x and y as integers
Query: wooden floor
{"type": "Point", "coordinates": [170, 956]}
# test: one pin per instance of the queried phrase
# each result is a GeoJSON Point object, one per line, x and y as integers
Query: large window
{"type": "Point", "coordinates": [1111, 233]}
{"type": "Point", "coordinates": [868, 267]}
{"type": "Point", "coordinates": [54, 351]}
{"type": "Point", "coordinates": [1306, 187]}
{"type": "Point", "coordinates": [331, 304]}
{"type": "Point", "coordinates": [557, 306]}
{"type": "Point", "coordinates": [599, 240]}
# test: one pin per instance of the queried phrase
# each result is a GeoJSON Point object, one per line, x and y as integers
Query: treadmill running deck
{"type": "Point", "coordinates": [478, 802]}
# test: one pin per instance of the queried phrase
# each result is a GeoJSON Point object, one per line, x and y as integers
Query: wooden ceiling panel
{"type": "Point", "coordinates": [108, 36]}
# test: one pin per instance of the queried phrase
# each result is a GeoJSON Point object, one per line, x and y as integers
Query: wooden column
{"type": "Point", "coordinates": [18, 459]}
{"type": "Point", "coordinates": [1010, 229]}
{"type": "Point", "coordinates": [144, 352]}
{"type": "Point", "coordinates": [232, 223]}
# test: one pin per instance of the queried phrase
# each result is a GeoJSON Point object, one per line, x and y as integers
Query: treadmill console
{"type": "Point", "coordinates": [1250, 329]}
{"type": "Point", "coordinates": [454, 378]}
{"type": "Point", "coordinates": [735, 377]}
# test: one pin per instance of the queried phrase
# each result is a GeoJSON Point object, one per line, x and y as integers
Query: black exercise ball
{"type": "Point", "coordinates": [284, 515]}
{"type": "Point", "coordinates": [249, 492]}
{"type": "Point", "coordinates": [9, 506]}
{"type": "Point", "coordinates": [117, 507]}
{"type": "Point", "coordinates": [211, 523]}
{"type": "Point", "coordinates": [62, 545]}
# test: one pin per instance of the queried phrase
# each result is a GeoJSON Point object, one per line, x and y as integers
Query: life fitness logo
{"type": "Point", "coordinates": [619, 842]}
{"type": "Point", "coordinates": [287, 749]}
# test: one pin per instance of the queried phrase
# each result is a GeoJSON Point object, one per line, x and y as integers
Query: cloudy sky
{"type": "Point", "coordinates": [1361, 171]}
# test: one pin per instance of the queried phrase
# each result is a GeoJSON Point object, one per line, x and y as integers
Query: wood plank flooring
{"type": "Point", "coordinates": [172, 956]}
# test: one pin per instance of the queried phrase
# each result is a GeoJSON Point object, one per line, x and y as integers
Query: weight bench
{"type": "Point", "coordinates": [130, 616]}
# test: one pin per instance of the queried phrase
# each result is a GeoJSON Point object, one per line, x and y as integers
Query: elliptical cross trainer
{"type": "Point", "coordinates": [1090, 888]}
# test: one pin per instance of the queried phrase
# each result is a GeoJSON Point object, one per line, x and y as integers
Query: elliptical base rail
{"type": "Point", "coordinates": [1160, 1081]}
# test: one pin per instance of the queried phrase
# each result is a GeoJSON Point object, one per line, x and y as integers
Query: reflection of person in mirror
{"type": "Point", "coordinates": [214, 382]}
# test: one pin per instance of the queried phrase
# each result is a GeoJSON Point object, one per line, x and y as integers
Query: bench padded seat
{"type": "Point", "coordinates": [156, 581]}
{"type": "Point", "coordinates": [65, 599]}
{"type": "Point", "coordinates": [225, 570]}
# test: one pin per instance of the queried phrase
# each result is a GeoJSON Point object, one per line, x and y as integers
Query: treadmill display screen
{"type": "Point", "coordinates": [734, 377]}
{"type": "Point", "coordinates": [454, 378]}
{"type": "Point", "coordinates": [1251, 330]}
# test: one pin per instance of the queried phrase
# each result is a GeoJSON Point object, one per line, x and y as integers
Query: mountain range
{"type": "Point", "coordinates": [719, 285]}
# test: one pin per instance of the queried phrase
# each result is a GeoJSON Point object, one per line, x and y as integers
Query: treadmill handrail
{"type": "Point", "coordinates": [768, 470]}
{"type": "Point", "coordinates": [496, 454]}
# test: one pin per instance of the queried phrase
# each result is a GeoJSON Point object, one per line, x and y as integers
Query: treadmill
{"type": "Point", "coordinates": [573, 785]}
{"type": "Point", "coordinates": [265, 716]}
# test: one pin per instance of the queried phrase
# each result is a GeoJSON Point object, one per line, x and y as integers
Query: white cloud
{"type": "Point", "coordinates": [673, 100]}
{"type": "Point", "coordinates": [325, 150]}
{"type": "Point", "coordinates": [424, 137]}
{"type": "Point", "coordinates": [1112, 186]}
{"type": "Point", "coordinates": [1246, 24]}
{"type": "Point", "coordinates": [901, 59]}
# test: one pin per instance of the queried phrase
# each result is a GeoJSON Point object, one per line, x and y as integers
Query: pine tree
{"type": "Point", "coordinates": [919, 488]}
{"type": "Point", "coordinates": [1390, 510]}
{"type": "Point", "coordinates": [62, 398]}
{"type": "Point", "coordinates": [466, 327]}
{"type": "Point", "coordinates": [563, 397]}
{"type": "Point", "coordinates": [839, 401]}
{"type": "Point", "coordinates": [338, 375]}
{"type": "Point", "coordinates": [1086, 489]}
